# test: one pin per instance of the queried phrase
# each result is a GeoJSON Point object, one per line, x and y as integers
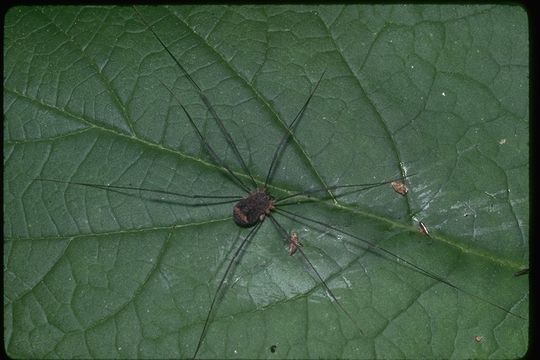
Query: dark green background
{"type": "Point", "coordinates": [436, 91]}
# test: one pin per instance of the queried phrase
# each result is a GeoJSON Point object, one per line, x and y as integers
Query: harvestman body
{"type": "Point", "coordinates": [253, 208]}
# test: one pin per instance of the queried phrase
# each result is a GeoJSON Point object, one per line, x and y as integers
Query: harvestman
{"type": "Point", "coordinates": [258, 204]}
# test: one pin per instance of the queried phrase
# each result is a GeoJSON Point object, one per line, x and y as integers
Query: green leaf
{"type": "Point", "coordinates": [440, 92]}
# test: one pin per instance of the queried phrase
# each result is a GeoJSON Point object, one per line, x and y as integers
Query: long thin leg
{"type": "Point", "coordinates": [365, 186]}
{"type": "Point", "coordinates": [237, 253]}
{"type": "Point", "coordinates": [204, 98]}
{"type": "Point", "coordinates": [284, 233]}
{"type": "Point", "coordinates": [384, 251]}
{"type": "Point", "coordinates": [130, 192]}
{"type": "Point", "coordinates": [158, 191]}
{"type": "Point", "coordinates": [290, 131]}
{"type": "Point", "coordinates": [206, 144]}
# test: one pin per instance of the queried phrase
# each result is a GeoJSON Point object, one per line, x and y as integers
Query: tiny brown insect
{"type": "Point", "coordinates": [423, 228]}
{"type": "Point", "coordinates": [294, 244]}
{"type": "Point", "coordinates": [399, 187]}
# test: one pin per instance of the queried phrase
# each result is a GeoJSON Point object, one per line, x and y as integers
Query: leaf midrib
{"type": "Point", "coordinates": [201, 162]}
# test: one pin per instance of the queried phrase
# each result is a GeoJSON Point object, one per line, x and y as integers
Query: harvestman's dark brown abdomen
{"type": "Point", "coordinates": [253, 208]}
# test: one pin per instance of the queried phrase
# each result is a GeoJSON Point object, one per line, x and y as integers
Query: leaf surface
{"type": "Point", "coordinates": [440, 92]}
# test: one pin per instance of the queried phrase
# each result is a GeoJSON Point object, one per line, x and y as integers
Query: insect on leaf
{"type": "Point", "coordinates": [429, 90]}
